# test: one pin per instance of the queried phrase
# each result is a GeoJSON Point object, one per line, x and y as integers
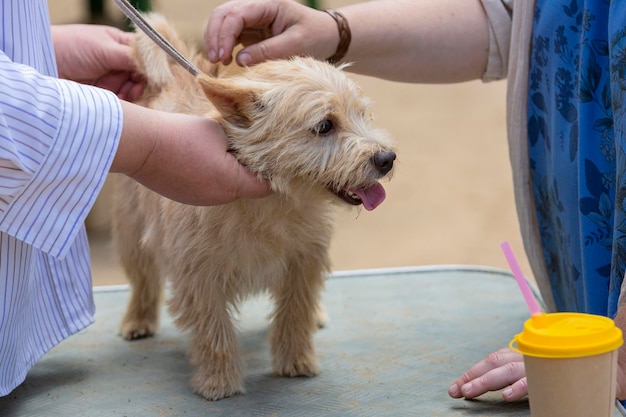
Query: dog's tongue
{"type": "Point", "coordinates": [371, 196]}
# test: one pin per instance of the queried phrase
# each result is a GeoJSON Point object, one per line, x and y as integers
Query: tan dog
{"type": "Point", "coordinates": [306, 128]}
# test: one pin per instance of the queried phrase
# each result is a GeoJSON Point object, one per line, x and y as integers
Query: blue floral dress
{"type": "Point", "coordinates": [577, 139]}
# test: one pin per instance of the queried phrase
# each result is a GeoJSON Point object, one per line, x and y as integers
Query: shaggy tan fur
{"type": "Point", "coordinates": [302, 125]}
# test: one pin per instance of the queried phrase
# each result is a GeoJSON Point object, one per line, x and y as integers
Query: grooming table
{"type": "Point", "coordinates": [395, 340]}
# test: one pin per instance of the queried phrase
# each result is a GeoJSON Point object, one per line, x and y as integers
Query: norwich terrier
{"type": "Point", "coordinates": [302, 125]}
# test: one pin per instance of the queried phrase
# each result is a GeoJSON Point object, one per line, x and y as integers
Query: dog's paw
{"type": "Point", "coordinates": [137, 329]}
{"type": "Point", "coordinates": [214, 388]}
{"type": "Point", "coordinates": [306, 365]}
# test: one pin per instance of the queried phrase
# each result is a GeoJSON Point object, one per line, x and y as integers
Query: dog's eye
{"type": "Point", "coordinates": [324, 127]}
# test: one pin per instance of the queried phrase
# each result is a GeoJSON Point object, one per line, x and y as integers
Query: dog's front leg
{"type": "Point", "coordinates": [214, 351]}
{"type": "Point", "coordinates": [295, 322]}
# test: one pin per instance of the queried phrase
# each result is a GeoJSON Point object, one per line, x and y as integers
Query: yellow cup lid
{"type": "Point", "coordinates": [567, 335]}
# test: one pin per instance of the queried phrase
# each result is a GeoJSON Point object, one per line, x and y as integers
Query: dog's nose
{"type": "Point", "coordinates": [383, 161]}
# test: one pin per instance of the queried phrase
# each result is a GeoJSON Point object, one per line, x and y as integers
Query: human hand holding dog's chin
{"type": "Point", "coordinates": [501, 369]}
{"type": "Point", "coordinates": [183, 158]}
{"type": "Point", "coordinates": [97, 55]}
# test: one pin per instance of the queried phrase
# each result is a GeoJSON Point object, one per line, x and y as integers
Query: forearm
{"type": "Point", "coordinates": [138, 139]}
{"type": "Point", "coordinates": [58, 34]}
{"type": "Point", "coordinates": [154, 140]}
{"type": "Point", "coordinates": [428, 41]}
{"type": "Point", "coordinates": [182, 157]}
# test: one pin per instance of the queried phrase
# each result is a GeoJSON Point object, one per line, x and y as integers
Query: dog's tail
{"type": "Point", "coordinates": [154, 63]}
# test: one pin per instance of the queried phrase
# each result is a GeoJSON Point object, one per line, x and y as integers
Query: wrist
{"type": "Point", "coordinates": [139, 136]}
{"type": "Point", "coordinates": [345, 36]}
{"type": "Point", "coordinates": [58, 34]}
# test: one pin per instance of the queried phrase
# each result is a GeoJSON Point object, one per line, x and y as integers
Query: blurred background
{"type": "Point", "coordinates": [450, 200]}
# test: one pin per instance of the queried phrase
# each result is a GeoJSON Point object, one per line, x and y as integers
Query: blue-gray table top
{"type": "Point", "coordinates": [394, 342]}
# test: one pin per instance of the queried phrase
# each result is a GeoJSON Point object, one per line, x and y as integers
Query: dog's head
{"type": "Point", "coordinates": [306, 127]}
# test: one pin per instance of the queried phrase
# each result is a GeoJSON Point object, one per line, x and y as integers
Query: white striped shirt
{"type": "Point", "coordinates": [57, 141]}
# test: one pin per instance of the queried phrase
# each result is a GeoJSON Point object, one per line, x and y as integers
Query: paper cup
{"type": "Point", "coordinates": [571, 364]}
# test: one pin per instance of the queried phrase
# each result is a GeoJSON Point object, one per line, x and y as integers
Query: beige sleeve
{"type": "Point", "coordinates": [499, 15]}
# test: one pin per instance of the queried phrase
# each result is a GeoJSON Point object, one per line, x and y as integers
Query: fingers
{"type": "Point", "coordinates": [134, 88]}
{"type": "Point", "coordinates": [496, 379]}
{"type": "Point", "coordinates": [516, 391]}
{"type": "Point", "coordinates": [130, 90]}
{"type": "Point", "coordinates": [221, 34]}
{"type": "Point", "coordinates": [271, 48]}
{"type": "Point", "coordinates": [242, 22]}
{"type": "Point", "coordinates": [227, 23]}
{"type": "Point", "coordinates": [114, 81]}
{"type": "Point", "coordinates": [501, 369]}
{"type": "Point", "coordinates": [125, 38]}
{"type": "Point", "coordinates": [117, 52]}
{"type": "Point", "coordinates": [127, 86]}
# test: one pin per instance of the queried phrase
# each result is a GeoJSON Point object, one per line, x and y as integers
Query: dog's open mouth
{"type": "Point", "coordinates": [371, 197]}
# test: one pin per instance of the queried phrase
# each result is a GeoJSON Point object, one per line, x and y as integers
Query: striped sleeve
{"type": "Point", "coordinates": [42, 302]}
{"type": "Point", "coordinates": [57, 142]}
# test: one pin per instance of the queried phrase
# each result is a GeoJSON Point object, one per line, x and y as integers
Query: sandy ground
{"type": "Point", "coordinates": [450, 200]}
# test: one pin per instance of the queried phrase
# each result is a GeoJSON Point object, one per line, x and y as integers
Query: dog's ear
{"type": "Point", "coordinates": [233, 100]}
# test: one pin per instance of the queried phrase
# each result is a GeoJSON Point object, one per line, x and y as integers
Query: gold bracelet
{"type": "Point", "coordinates": [345, 36]}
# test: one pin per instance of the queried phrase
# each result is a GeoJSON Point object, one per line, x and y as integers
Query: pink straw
{"type": "Point", "coordinates": [521, 280]}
